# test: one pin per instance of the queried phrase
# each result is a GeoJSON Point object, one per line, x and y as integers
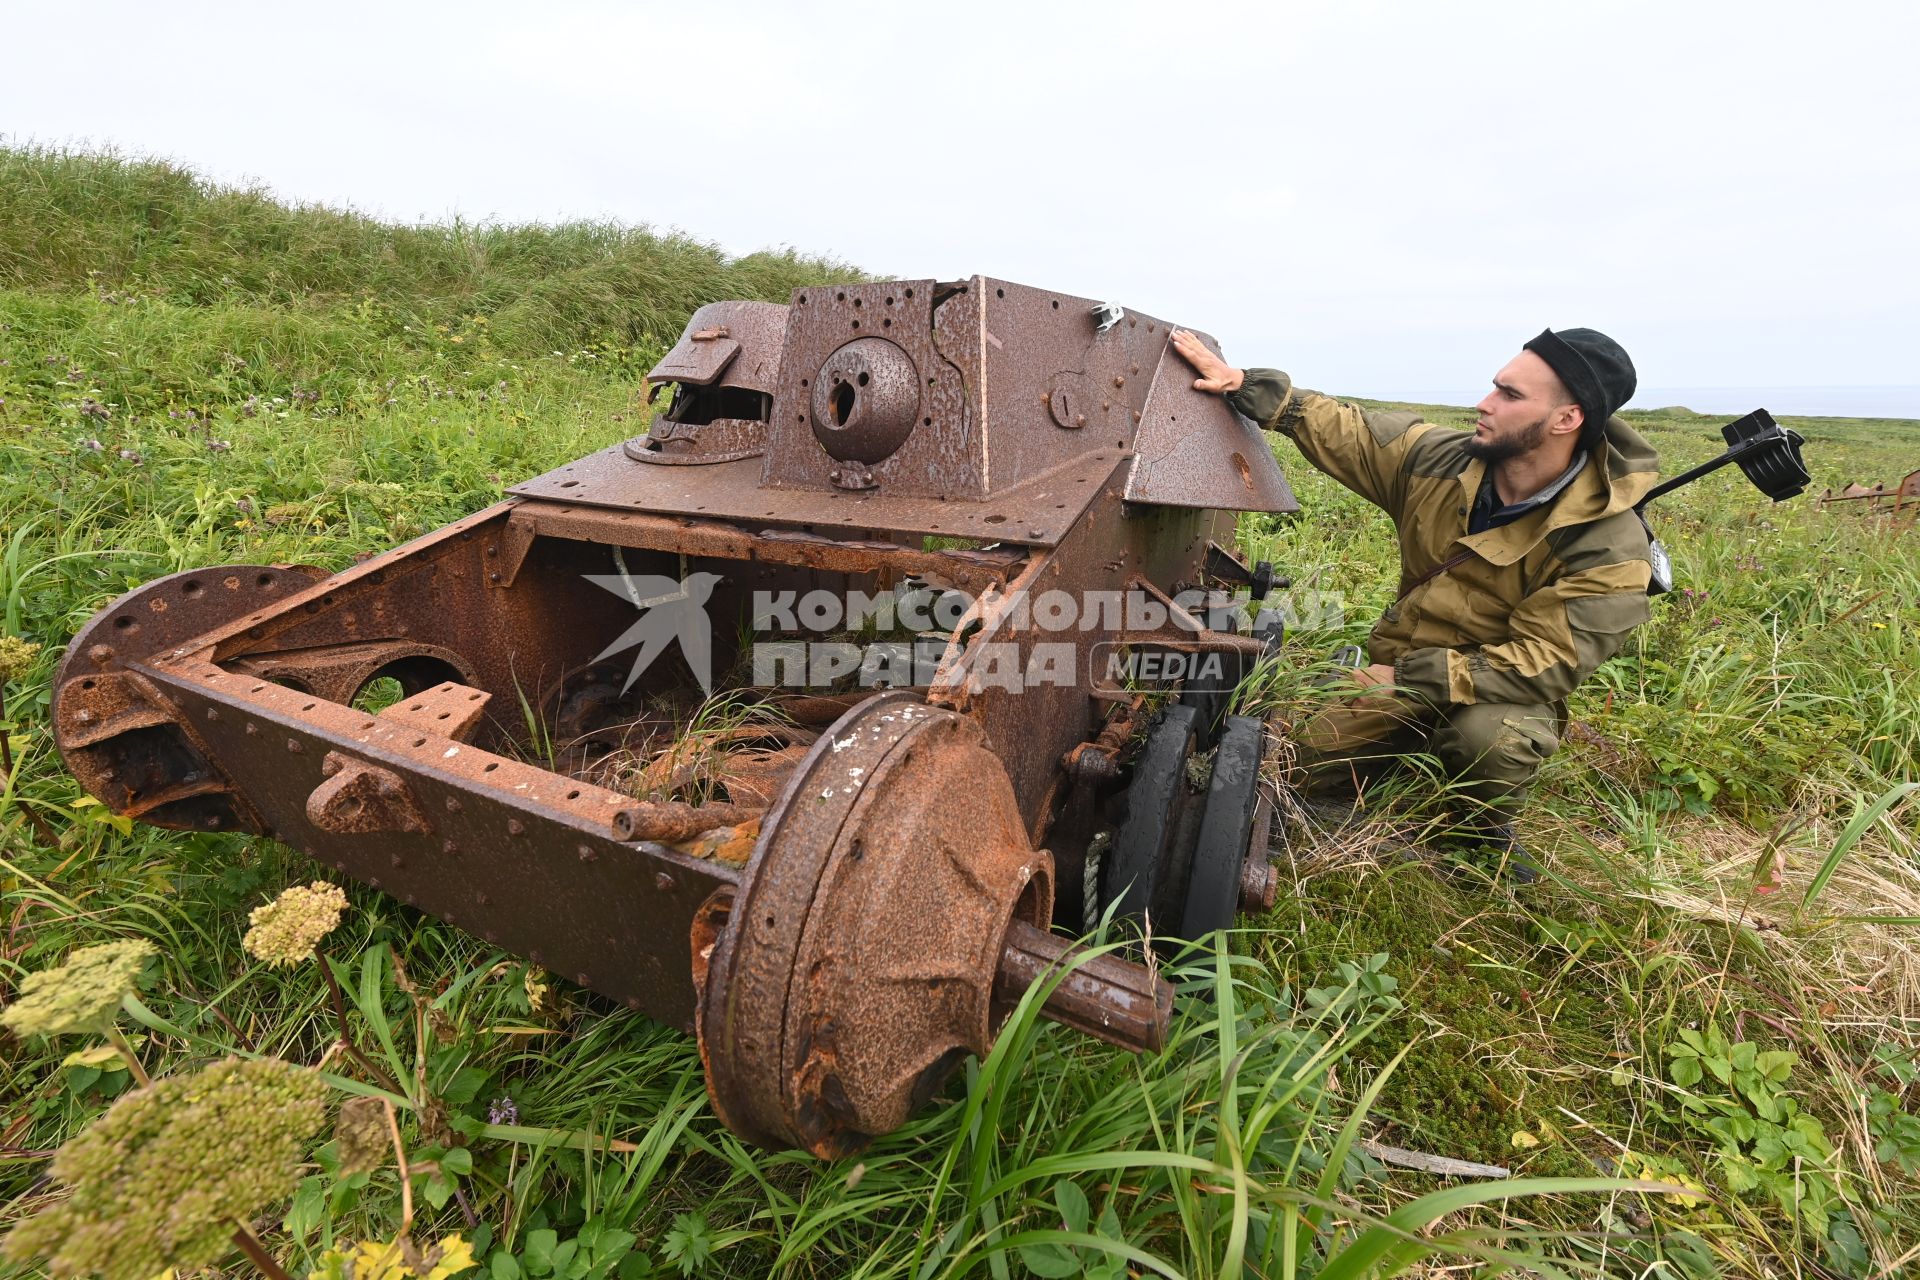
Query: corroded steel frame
{"type": "Point", "coordinates": [226, 699]}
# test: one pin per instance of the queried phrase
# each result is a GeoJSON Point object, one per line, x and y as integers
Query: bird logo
{"type": "Point", "coordinates": [670, 609]}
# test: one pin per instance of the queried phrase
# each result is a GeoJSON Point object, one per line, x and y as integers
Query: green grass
{"type": "Point", "coordinates": [1714, 773]}
{"type": "Point", "coordinates": [127, 232]}
{"type": "Point", "coordinates": [195, 376]}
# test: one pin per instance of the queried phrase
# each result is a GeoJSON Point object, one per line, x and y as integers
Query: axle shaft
{"type": "Point", "coordinates": [1108, 998]}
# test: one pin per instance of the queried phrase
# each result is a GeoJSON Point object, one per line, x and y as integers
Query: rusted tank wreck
{"type": "Point", "coordinates": [845, 887]}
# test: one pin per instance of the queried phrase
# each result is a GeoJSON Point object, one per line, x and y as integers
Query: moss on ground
{"type": "Point", "coordinates": [1499, 1043]}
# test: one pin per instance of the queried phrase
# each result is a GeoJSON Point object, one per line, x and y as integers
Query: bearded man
{"type": "Point", "coordinates": [1523, 565]}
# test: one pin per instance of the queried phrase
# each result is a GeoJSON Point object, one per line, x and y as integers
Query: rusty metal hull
{"type": "Point", "coordinates": [444, 724]}
{"type": "Point", "coordinates": [1021, 402]}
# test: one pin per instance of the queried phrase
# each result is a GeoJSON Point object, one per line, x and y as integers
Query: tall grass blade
{"type": "Point", "coordinates": [1851, 834]}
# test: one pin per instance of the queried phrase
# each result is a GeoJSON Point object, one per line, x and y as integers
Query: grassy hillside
{"type": "Point", "coordinates": [142, 232]}
{"type": "Point", "coordinates": [1717, 988]}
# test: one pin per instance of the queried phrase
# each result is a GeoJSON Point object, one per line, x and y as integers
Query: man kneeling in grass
{"type": "Point", "coordinates": [1523, 566]}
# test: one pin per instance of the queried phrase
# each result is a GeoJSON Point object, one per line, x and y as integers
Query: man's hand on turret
{"type": "Point", "coordinates": [1215, 374]}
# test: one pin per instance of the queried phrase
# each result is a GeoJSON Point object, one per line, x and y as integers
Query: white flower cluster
{"type": "Point", "coordinates": [161, 1178]}
{"type": "Point", "coordinates": [81, 995]}
{"type": "Point", "coordinates": [286, 930]}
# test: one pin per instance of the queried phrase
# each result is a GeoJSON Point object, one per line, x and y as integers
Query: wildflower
{"type": "Point", "coordinates": [219, 446]}
{"type": "Point", "coordinates": [16, 655]}
{"type": "Point", "coordinates": [286, 930]}
{"type": "Point", "coordinates": [250, 406]}
{"type": "Point", "coordinates": [395, 1260]}
{"type": "Point", "coordinates": [159, 1180]}
{"type": "Point", "coordinates": [92, 444]}
{"type": "Point", "coordinates": [82, 994]}
{"type": "Point", "coordinates": [130, 455]}
{"type": "Point", "coordinates": [360, 1135]}
{"type": "Point", "coordinates": [536, 988]}
{"type": "Point", "coordinates": [503, 1110]}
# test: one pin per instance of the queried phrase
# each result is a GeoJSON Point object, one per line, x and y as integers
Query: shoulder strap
{"type": "Point", "coordinates": [1450, 562]}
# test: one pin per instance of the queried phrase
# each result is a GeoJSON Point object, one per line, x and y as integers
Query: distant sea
{"type": "Point", "coordinates": [1833, 402]}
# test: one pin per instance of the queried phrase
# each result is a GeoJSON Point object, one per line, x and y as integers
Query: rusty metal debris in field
{"type": "Point", "coordinates": [1901, 501]}
{"type": "Point", "coordinates": [832, 846]}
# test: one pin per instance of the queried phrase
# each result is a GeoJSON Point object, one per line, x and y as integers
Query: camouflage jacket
{"type": "Point", "coordinates": [1538, 604]}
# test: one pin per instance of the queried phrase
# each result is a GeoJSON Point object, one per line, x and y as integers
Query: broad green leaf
{"type": "Point", "coordinates": [464, 1087]}
{"type": "Point", "coordinates": [308, 1209]}
{"type": "Point", "coordinates": [1074, 1209]}
{"type": "Point", "coordinates": [538, 1253]}
{"type": "Point", "coordinates": [1050, 1260]}
{"type": "Point", "coordinates": [611, 1245]}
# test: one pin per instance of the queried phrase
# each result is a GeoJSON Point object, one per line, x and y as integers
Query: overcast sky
{"type": "Point", "coordinates": [1384, 198]}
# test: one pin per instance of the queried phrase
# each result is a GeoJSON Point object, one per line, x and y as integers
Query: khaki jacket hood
{"type": "Point", "coordinates": [1628, 468]}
